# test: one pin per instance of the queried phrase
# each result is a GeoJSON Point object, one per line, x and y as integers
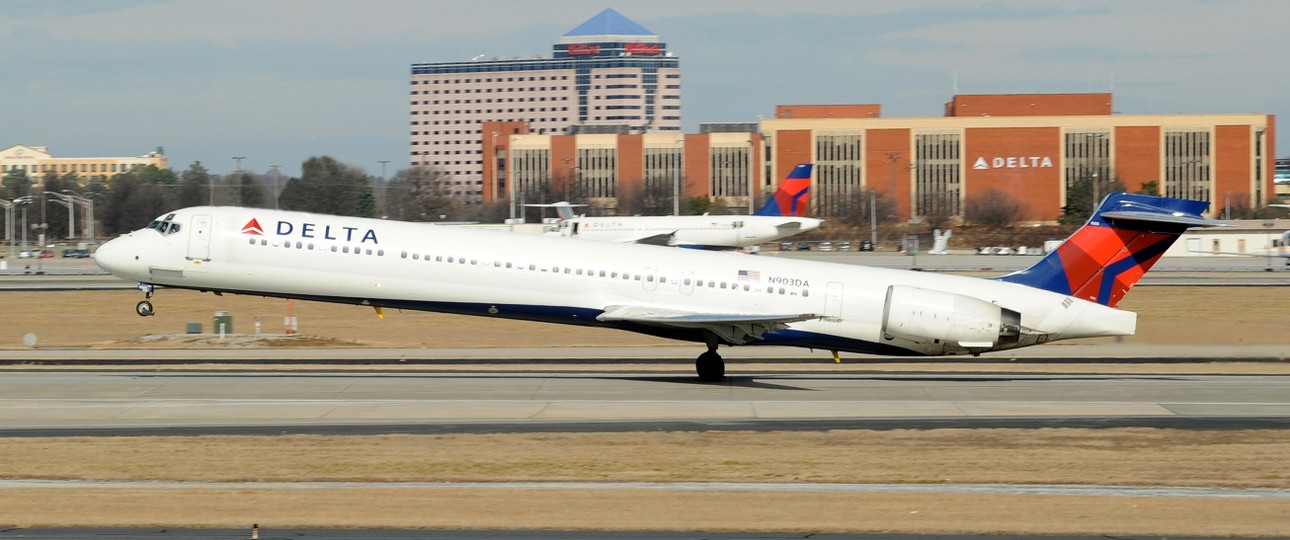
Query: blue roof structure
{"type": "Point", "coordinates": [609, 23]}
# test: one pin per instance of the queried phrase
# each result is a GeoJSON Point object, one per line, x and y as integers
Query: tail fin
{"type": "Point", "coordinates": [791, 198]}
{"type": "Point", "coordinates": [1120, 242]}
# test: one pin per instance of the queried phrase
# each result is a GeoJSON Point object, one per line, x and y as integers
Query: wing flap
{"type": "Point", "coordinates": [734, 328]}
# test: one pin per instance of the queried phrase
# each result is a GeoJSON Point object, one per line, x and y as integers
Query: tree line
{"type": "Point", "coordinates": [130, 200]}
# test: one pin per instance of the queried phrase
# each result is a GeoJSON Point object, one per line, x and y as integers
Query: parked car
{"type": "Point", "coordinates": [844, 246]}
{"type": "Point", "coordinates": [76, 253]}
{"type": "Point", "coordinates": [826, 246]}
{"type": "Point", "coordinates": [25, 254]}
{"type": "Point", "coordinates": [866, 245]}
{"type": "Point", "coordinates": [803, 246]}
{"type": "Point", "coordinates": [786, 246]}
{"type": "Point", "coordinates": [46, 254]}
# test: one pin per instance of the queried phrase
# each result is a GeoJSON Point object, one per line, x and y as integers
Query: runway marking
{"type": "Point", "coordinates": [1004, 489]}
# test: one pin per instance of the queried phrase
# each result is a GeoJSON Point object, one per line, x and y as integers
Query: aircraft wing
{"type": "Point", "coordinates": [734, 328]}
{"type": "Point", "coordinates": [663, 239]}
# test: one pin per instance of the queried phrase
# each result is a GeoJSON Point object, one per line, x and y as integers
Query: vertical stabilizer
{"type": "Point", "coordinates": [1118, 244]}
{"type": "Point", "coordinates": [791, 197]}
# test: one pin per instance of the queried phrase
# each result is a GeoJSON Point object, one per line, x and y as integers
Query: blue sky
{"type": "Point", "coordinates": [279, 81]}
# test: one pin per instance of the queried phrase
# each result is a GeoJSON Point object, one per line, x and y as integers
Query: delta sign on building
{"type": "Point", "coordinates": [1031, 146]}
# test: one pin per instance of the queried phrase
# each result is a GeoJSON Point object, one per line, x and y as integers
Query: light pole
{"type": "Point", "coordinates": [236, 171]}
{"type": "Point", "coordinates": [383, 162]}
{"type": "Point", "coordinates": [88, 202]}
{"type": "Point", "coordinates": [67, 201]}
{"type": "Point", "coordinates": [752, 149]}
{"type": "Point", "coordinates": [24, 202]}
{"type": "Point", "coordinates": [892, 158]}
{"type": "Point", "coordinates": [8, 223]}
{"type": "Point", "coordinates": [276, 176]}
{"type": "Point", "coordinates": [676, 179]}
{"type": "Point", "coordinates": [510, 172]}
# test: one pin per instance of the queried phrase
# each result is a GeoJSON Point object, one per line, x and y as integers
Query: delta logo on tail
{"type": "Point", "coordinates": [792, 197]}
{"type": "Point", "coordinates": [253, 227]}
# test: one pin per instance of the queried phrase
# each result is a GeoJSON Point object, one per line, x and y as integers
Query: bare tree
{"type": "Point", "coordinates": [993, 208]}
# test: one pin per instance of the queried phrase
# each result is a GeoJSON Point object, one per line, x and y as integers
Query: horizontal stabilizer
{"type": "Point", "coordinates": [1144, 208]}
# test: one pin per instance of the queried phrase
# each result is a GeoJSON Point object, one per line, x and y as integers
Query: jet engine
{"type": "Point", "coordinates": [938, 322]}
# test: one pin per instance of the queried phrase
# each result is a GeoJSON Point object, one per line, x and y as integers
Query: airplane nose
{"type": "Point", "coordinates": [114, 256]}
{"type": "Point", "coordinates": [105, 256]}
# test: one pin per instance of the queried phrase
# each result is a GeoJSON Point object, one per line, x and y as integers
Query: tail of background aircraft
{"type": "Point", "coordinates": [791, 197]}
{"type": "Point", "coordinates": [1120, 242]}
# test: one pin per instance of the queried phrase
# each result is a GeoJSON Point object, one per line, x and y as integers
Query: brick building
{"type": "Point", "coordinates": [1033, 146]}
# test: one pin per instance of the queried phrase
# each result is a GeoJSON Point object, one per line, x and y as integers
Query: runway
{"type": "Point", "coordinates": [132, 403]}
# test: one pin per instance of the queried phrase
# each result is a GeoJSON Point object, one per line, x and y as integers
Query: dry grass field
{"type": "Point", "coordinates": [77, 319]}
{"type": "Point", "coordinates": [1141, 457]}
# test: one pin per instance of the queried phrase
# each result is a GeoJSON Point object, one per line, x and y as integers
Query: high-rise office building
{"type": "Point", "coordinates": [608, 75]}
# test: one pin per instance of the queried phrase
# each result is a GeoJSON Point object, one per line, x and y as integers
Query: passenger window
{"type": "Point", "coordinates": [345, 249]}
{"type": "Point", "coordinates": [253, 241]}
{"type": "Point", "coordinates": [806, 292]}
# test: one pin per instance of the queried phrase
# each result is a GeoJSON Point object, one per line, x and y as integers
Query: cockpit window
{"type": "Point", "coordinates": [166, 226]}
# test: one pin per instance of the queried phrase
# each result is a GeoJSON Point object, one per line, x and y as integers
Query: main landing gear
{"type": "Point", "coordinates": [709, 365]}
{"type": "Point", "coordinates": [144, 307]}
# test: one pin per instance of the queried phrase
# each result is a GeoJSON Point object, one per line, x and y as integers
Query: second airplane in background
{"type": "Point", "coordinates": [779, 218]}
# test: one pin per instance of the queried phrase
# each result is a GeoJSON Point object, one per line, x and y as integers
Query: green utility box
{"type": "Point", "coordinates": [223, 323]}
{"type": "Point", "coordinates": [193, 328]}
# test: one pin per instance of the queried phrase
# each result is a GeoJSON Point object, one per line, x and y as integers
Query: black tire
{"type": "Point", "coordinates": [144, 308]}
{"type": "Point", "coordinates": [710, 367]}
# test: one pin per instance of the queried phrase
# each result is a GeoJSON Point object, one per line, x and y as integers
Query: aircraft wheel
{"type": "Point", "coordinates": [710, 367]}
{"type": "Point", "coordinates": [144, 308]}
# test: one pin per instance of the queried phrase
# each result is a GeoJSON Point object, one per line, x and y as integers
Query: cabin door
{"type": "Point", "coordinates": [199, 238]}
{"type": "Point", "coordinates": [833, 302]}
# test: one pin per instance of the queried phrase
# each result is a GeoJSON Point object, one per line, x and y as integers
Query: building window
{"type": "Point", "coordinates": [938, 190]}
{"type": "Point", "coordinates": [838, 189]}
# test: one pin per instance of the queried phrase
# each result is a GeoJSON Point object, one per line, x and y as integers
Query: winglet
{"type": "Point", "coordinates": [792, 195]}
{"type": "Point", "coordinates": [1102, 260]}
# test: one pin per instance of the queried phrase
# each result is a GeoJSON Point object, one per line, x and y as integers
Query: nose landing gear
{"type": "Point", "coordinates": [144, 307]}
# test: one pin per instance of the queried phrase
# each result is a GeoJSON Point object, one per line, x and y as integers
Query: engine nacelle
{"type": "Point", "coordinates": [939, 322]}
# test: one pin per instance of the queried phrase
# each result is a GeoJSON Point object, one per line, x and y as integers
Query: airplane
{"type": "Point", "coordinates": [713, 298]}
{"type": "Point", "coordinates": [779, 218]}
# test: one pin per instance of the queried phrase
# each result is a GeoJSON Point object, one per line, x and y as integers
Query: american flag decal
{"type": "Point", "coordinates": [749, 275]}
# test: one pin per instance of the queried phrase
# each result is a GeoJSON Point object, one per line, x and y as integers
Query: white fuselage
{"type": "Point", "coordinates": [720, 232]}
{"type": "Point", "coordinates": [496, 274]}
